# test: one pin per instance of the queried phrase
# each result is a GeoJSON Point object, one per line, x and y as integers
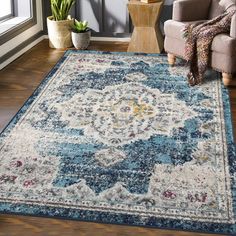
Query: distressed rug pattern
{"type": "Point", "coordinates": [122, 138]}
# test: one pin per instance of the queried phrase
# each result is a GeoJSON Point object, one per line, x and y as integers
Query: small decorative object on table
{"type": "Point", "coordinates": [81, 34]}
{"type": "Point", "coordinates": [149, 1]}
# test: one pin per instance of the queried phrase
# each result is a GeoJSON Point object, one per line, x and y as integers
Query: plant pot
{"type": "Point", "coordinates": [59, 33]}
{"type": "Point", "coordinates": [81, 40]}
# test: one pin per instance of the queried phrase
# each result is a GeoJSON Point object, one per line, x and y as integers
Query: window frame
{"type": "Point", "coordinates": [6, 17]}
{"type": "Point", "coordinates": [20, 28]}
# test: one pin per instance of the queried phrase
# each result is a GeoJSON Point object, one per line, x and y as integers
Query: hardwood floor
{"type": "Point", "coordinates": [17, 82]}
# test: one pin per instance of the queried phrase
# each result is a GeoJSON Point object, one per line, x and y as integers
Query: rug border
{"type": "Point", "coordinates": [113, 223]}
{"type": "Point", "coordinates": [123, 218]}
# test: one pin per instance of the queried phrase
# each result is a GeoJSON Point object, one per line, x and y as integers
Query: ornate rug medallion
{"type": "Point", "coordinates": [122, 138]}
{"type": "Point", "coordinates": [122, 114]}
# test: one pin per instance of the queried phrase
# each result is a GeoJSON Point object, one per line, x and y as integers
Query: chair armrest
{"type": "Point", "coordinates": [191, 10]}
{"type": "Point", "coordinates": [233, 27]}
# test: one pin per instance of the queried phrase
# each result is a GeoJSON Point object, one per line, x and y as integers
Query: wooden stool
{"type": "Point", "coordinates": [146, 36]}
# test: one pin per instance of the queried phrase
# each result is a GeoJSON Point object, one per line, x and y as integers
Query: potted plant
{"type": "Point", "coordinates": [60, 23]}
{"type": "Point", "coordinates": [81, 34]}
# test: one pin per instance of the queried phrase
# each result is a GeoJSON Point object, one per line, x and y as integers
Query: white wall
{"type": "Point", "coordinates": [11, 44]}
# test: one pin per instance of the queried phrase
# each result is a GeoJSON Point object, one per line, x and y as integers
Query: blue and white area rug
{"type": "Point", "coordinates": [122, 138]}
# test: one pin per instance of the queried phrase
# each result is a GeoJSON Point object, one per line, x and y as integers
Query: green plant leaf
{"type": "Point", "coordinates": [61, 9]}
{"type": "Point", "coordinates": [80, 26]}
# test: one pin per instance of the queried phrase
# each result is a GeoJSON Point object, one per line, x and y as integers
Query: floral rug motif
{"type": "Point", "coordinates": [122, 138]}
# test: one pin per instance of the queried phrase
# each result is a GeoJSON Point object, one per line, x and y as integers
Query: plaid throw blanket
{"type": "Point", "coordinates": [198, 43]}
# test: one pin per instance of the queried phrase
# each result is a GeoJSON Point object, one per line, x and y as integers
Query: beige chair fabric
{"type": "Point", "coordinates": [223, 56]}
{"type": "Point", "coordinates": [233, 27]}
{"type": "Point", "coordinates": [215, 9]}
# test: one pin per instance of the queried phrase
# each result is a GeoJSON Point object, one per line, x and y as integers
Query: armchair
{"type": "Point", "coordinates": [223, 49]}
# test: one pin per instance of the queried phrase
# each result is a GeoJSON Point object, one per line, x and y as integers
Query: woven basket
{"type": "Point", "coordinates": [59, 33]}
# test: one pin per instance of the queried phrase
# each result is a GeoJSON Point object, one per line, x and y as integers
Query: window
{"type": "Point", "coordinates": [16, 16]}
{"type": "Point", "coordinates": [6, 10]}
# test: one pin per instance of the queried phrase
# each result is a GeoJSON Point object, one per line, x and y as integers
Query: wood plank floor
{"type": "Point", "coordinates": [17, 82]}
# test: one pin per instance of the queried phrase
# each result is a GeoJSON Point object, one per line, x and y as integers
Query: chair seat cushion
{"type": "Point", "coordinates": [174, 29]}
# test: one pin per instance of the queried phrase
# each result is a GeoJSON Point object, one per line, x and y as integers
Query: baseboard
{"type": "Point", "coordinates": [110, 39]}
{"type": "Point", "coordinates": [105, 39]}
{"type": "Point", "coordinates": [20, 49]}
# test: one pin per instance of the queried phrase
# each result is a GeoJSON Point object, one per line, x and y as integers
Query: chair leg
{"type": "Point", "coordinates": [171, 59]}
{"type": "Point", "coordinates": [227, 79]}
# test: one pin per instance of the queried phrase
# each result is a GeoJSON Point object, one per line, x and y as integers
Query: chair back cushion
{"type": "Point", "coordinates": [215, 9]}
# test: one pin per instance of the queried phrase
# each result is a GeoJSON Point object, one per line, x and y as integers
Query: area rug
{"type": "Point", "coordinates": [122, 138]}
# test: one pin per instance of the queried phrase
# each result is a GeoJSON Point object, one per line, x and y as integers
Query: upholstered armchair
{"type": "Point", "coordinates": [223, 49]}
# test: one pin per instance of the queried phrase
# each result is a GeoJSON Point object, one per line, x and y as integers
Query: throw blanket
{"type": "Point", "coordinates": [198, 43]}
